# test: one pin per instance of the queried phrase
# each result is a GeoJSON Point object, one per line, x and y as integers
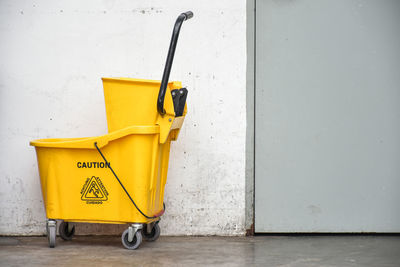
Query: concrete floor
{"type": "Point", "coordinates": [205, 251]}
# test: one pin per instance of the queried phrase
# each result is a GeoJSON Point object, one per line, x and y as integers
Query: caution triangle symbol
{"type": "Point", "coordinates": [93, 191]}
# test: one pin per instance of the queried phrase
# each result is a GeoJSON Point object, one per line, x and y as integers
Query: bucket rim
{"type": "Point", "coordinates": [88, 142]}
{"type": "Point", "coordinates": [136, 80]}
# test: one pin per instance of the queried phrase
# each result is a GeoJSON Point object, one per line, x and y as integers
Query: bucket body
{"type": "Point", "coordinates": [77, 185]}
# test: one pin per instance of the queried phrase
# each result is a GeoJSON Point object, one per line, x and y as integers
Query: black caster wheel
{"type": "Point", "coordinates": [66, 231]}
{"type": "Point", "coordinates": [136, 241]}
{"type": "Point", "coordinates": [153, 235]}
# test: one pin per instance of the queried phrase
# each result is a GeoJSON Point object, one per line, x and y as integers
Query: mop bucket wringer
{"type": "Point", "coordinates": [118, 177]}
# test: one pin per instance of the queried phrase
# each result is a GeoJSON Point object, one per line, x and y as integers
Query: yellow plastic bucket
{"type": "Point", "coordinates": [77, 185]}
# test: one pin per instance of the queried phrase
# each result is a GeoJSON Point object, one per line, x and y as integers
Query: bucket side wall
{"type": "Point", "coordinates": [78, 186]}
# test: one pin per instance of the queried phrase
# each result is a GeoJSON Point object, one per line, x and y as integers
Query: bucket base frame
{"type": "Point", "coordinates": [131, 238]}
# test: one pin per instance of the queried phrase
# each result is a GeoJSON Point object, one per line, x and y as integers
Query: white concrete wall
{"type": "Point", "coordinates": [53, 54]}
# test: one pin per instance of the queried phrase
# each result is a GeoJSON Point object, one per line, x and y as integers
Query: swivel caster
{"type": "Point", "coordinates": [132, 237]}
{"type": "Point", "coordinates": [51, 227]}
{"type": "Point", "coordinates": [66, 230]}
{"type": "Point", "coordinates": [151, 232]}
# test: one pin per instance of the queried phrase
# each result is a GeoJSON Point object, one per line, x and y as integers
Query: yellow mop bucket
{"type": "Point", "coordinates": [118, 177]}
{"type": "Point", "coordinates": [78, 185]}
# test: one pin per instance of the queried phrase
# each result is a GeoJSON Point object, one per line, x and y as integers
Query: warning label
{"type": "Point", "coordinates": [93, 191]}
